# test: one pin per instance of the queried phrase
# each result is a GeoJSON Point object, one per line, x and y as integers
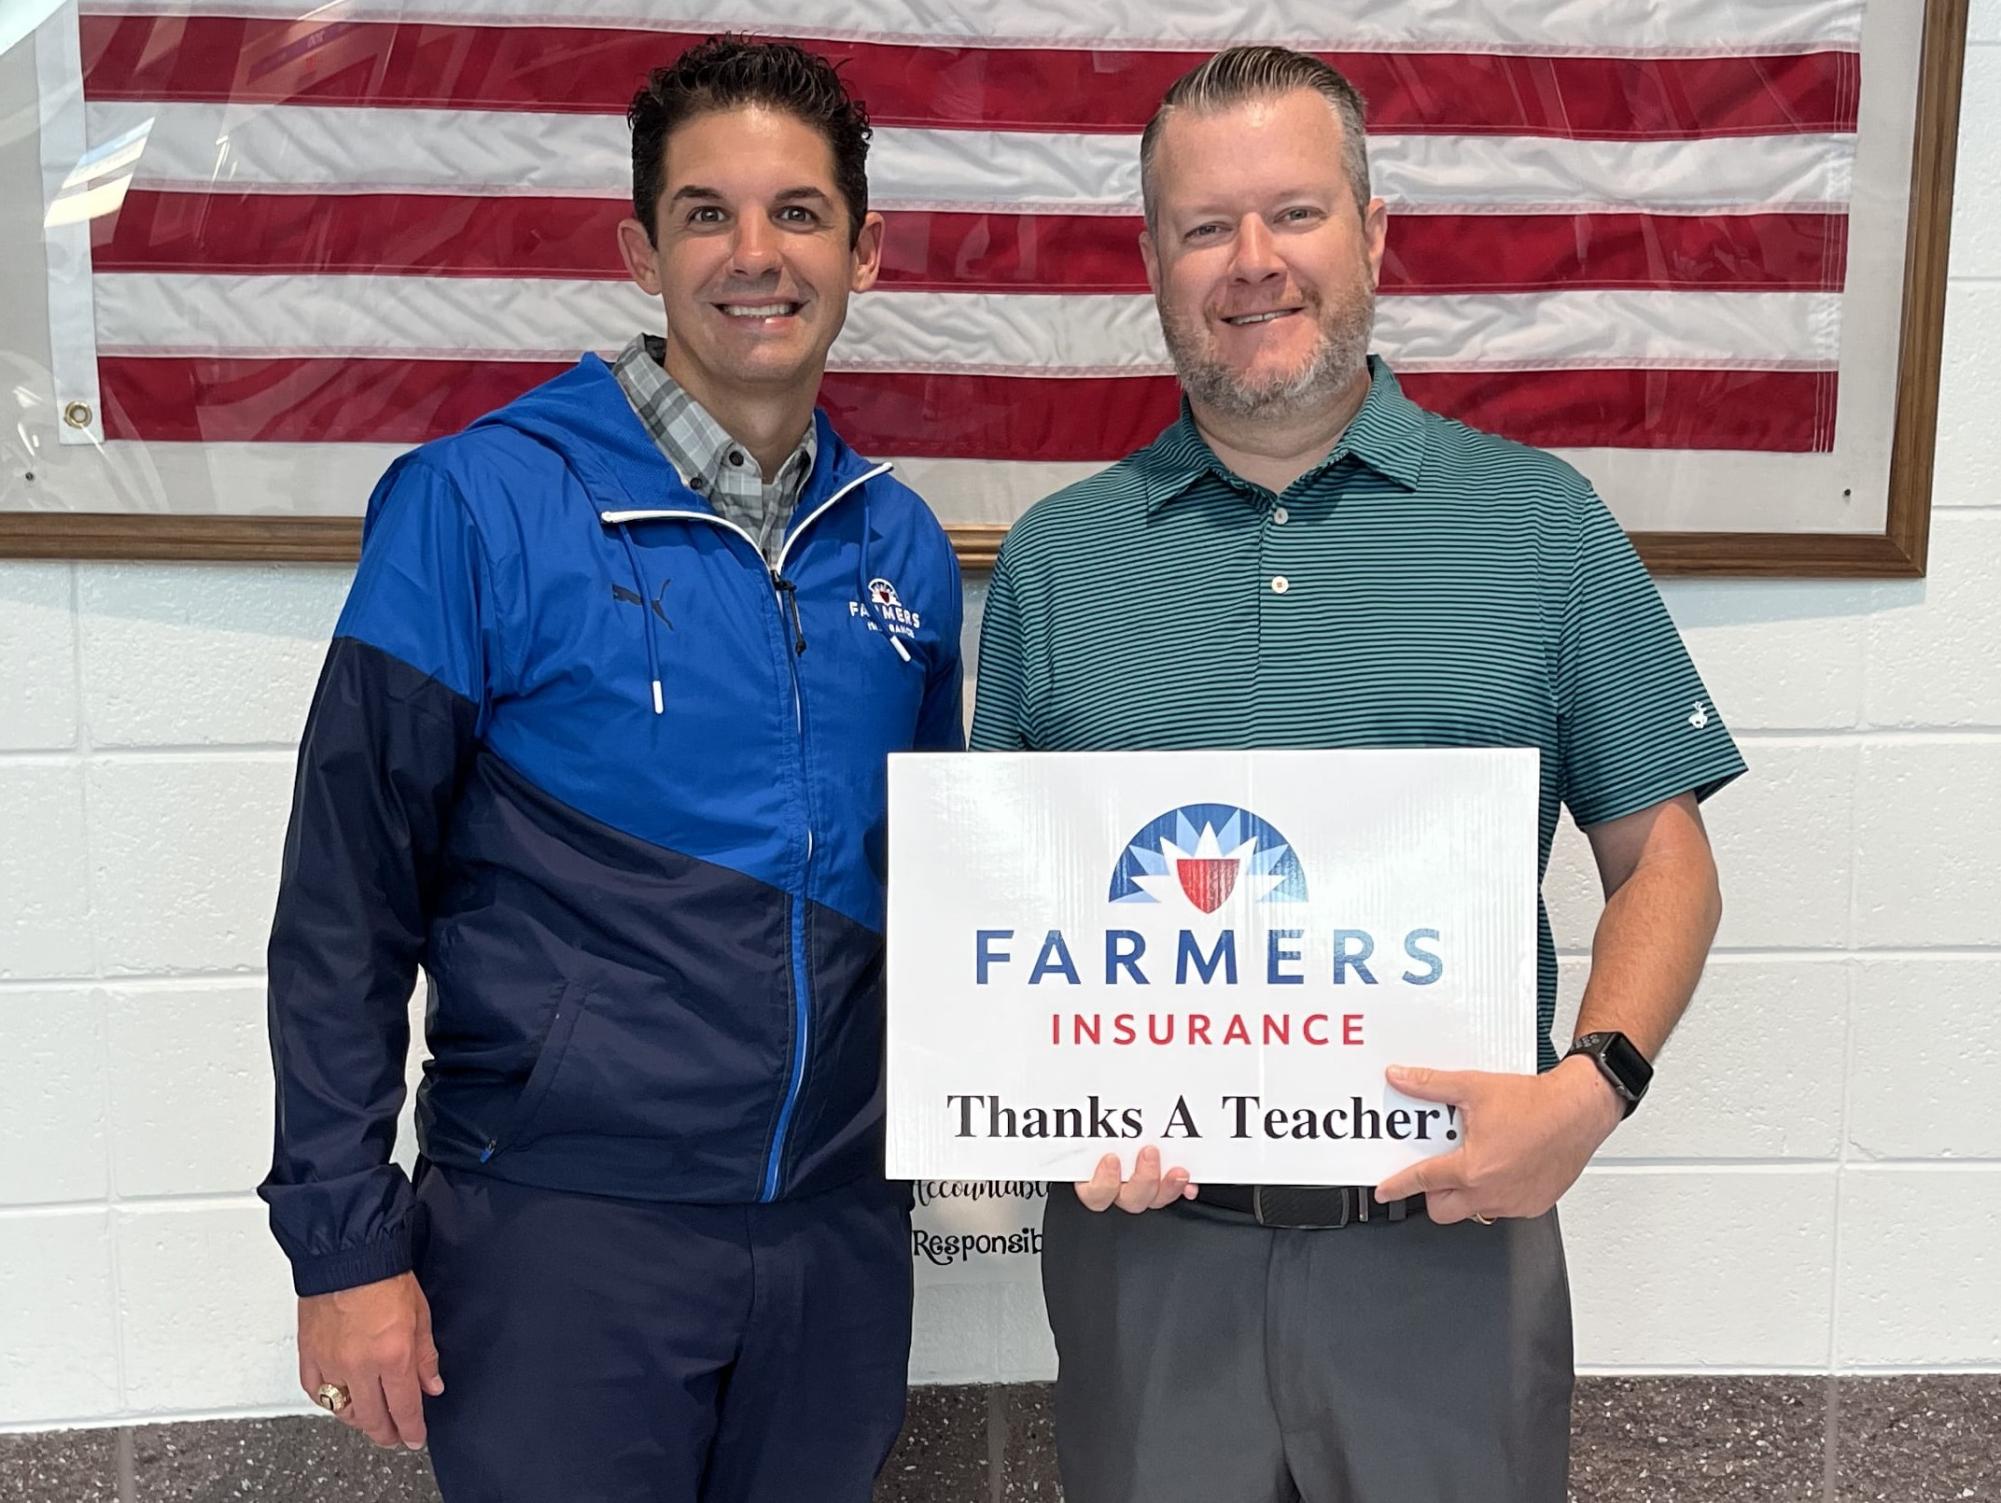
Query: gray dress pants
{"type": "Point", "coordinates": [1206, 1359]}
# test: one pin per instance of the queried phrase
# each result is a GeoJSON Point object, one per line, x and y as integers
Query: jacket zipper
{"type": "Point", "coordinates": [801, 979]}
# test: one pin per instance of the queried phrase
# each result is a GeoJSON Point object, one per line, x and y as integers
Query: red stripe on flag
{"type": "Point", "coordinates": [192, 400]}
{"type": "Point", "coordinates": [423, 234]}
{"type": "Point", "coordinates": [435, 66]}
{"type": "Point", "coordinates": [1789, 412]}
{"type": "Point", "coordinates": [1552, 252]}
{"type": "Point", "coordinates": [965, 416]}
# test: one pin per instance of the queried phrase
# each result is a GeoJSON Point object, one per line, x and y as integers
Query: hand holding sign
{"type": "Point", "coordinates": [1526, 1138]}
{"type": "Point", "coordinates": [1147, 1190]}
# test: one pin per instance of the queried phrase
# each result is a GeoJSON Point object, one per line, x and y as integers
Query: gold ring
{"type": "Point", "coordinates": [332, 1397]}
{"type": "Point", "coordinates": [1483, 1220]}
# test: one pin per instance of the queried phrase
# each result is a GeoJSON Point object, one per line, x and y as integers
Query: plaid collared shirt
{"type": "Point", "coordinates": [713, 464]}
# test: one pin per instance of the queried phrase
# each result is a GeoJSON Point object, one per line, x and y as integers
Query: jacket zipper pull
{"type": "Point", "coordinates": [790, 592]}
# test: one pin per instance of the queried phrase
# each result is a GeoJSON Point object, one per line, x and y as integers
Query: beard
{"type": "Point", "coordinates": [1345, 322]}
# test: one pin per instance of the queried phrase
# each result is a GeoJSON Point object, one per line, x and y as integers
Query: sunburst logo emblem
{"type": "Point", "coordinates": [1205, 855]}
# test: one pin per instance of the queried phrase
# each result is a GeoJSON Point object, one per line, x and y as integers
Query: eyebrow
{"type": "Point", "coordinates": [1299, 193]}
{"type": "Point", "coordinates": [784, 196]}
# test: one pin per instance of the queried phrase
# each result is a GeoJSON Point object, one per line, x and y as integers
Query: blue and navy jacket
{"type": "Point", "coordinates": [620, 789]}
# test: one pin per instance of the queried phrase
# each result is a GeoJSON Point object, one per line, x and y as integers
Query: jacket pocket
{"type": "Point", "coordinates": [520, 1124]}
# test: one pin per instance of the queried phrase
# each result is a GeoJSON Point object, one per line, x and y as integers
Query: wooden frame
{"type": "Point", "coordinates": [1898, 551]}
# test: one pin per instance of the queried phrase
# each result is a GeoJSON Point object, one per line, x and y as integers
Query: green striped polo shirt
{"type": "Point", "coordinates": [1425, 585]}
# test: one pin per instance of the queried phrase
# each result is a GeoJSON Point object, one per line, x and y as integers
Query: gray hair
{"type": "Point", "coordinates": [1242, 74]}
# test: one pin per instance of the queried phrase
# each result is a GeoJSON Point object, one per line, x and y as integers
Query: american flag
{"type": "Point", "coordinates": [1613, 223]}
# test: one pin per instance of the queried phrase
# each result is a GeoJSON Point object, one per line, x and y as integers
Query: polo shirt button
{"type": "Point", "coordinates": [736, 456]}
{"type": "Point", "coordinates": [1280, 584]}
{"type": "Point", "coordinates": [1281, 516]}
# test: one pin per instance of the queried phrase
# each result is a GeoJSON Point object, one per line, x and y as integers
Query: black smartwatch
{"type": "Point", "coordinates": [1619, 1062]}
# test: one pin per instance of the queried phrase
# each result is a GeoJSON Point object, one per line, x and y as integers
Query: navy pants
{"type": "Point", "coordinates": [612, 1351]}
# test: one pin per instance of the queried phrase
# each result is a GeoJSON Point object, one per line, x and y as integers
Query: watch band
{"type": "Point", "coordinates": [1620, 1062]}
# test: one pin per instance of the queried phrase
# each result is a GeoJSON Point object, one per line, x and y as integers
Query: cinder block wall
{"type": "Point", "coordinates": [1816, 1188]}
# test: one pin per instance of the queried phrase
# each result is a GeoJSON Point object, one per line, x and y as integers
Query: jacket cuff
{"type": "Point", "coordinates": [368, 1264]}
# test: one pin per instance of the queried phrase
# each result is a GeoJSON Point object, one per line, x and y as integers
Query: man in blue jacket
{"type": "Point", "coordinates": [600, 745]}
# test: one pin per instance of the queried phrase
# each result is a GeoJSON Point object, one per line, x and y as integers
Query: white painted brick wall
{"type": "Point", "coordinates": [203, 1277]}
{"type": "Point", "coordinates": [53, 1116]}
{"type": "Point", "coordinates": [1926, 1035]}
{"type": "Point", "coordinates": [1817, 1184]}
{"type": "Point", "coordinates": [1919, 1266]}
{"type": "Point", "coordinates": [38, 688]}
{"type": "Point", "coordinates": [60, 1359]}
{"type": "Point", "coordinates": [204, 655]}
{"type": "Point", "coordinates": [184, 851]}
{"type": "Point", "coordinates": [175, 1044]}
{"type": "Point", "coordinates": [1679, 1266]}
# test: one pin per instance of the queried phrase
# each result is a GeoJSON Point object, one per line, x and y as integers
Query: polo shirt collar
{"type": "Point", "coordinates": [1387, 434]}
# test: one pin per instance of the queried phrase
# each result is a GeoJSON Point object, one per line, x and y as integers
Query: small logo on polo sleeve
{"type": "Point", "coordinates": [1700, 718]}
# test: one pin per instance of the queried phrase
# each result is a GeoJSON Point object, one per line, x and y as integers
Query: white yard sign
{"type": "Point", "coordinates": [1218, 952]}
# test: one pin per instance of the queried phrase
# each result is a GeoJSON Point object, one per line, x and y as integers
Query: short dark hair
{"type": "Point", "coordinates": [1242, 74]}
{"type": "Point", "coordinates": [728, 72]}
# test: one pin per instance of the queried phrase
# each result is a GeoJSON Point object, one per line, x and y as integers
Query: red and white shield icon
{"type": "Point", "coordinates": [1208, 880]}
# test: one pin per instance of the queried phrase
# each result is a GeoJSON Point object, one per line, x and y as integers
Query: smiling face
{"type": "Point", "coordinates": [752, 254]}
{"type": "Point", "coordinates": [1262, 264]}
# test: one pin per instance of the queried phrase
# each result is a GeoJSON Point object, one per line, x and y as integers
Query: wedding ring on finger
{"type": "Point", "coordinates": [332, 1397]}
{"type": "Point", "coordinates": [1483, 1220]}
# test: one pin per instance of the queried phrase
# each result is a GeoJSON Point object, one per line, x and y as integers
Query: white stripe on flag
{"type": "Point", "coordinates": [988, 333]}
{"type": "Point", "coordinates": [1612, 28]}
{"type": "Point", "coordinates": [197, 147]}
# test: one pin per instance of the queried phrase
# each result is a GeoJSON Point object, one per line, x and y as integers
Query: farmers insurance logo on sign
{"type": "Point", "coordinates": [1206, 854]}
{"type": "Point", "coordinates": [1198, 898]}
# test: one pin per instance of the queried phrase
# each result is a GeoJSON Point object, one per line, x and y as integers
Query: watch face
{"type": "Point", "coordinates": [1627, 1064]}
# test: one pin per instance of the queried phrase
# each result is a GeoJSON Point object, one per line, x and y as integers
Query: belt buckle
{"type": "Point", "coordinates": [1343, 1194]}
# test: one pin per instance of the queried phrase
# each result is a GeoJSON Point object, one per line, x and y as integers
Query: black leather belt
{"type": "Point", "coordinates": [1308, 1206]}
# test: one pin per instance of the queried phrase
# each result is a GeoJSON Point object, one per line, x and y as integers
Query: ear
{"type": "Point", "coordinates": [1375, 228]}
{"type": "Point", "coordinates": [867, 254]}
{"type": "Point", "coordinates": [641, 259]}
{"type": "Point", "coordinates": [1150, 259]}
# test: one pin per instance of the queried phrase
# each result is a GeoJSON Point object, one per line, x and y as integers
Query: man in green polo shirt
{"type": "Point", "coordinates": [1307, 559]}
